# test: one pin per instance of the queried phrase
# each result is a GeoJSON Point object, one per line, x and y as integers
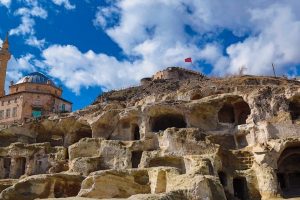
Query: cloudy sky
{"type": "Point", "coordinates": [89, 46]}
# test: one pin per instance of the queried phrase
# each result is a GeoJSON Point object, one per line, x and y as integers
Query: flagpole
{"type": "Point", "coordinates": [274, 69]}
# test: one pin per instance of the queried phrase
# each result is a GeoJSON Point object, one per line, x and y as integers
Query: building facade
{"type": "Point", "coordinates": [176, 73]}
{"type": "Point", "coordinates": [33, 96]}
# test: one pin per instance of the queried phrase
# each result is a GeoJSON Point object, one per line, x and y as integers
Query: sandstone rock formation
{"type": "Point", "coordinates": [194, 138]}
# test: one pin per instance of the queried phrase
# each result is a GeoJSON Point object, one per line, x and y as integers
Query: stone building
{"type": "Point", "coordinates": [172, 73]}
{"type": "Point", "coordinates": [32, 96]}
{"type": "Point", "coordinates": [176, 73]}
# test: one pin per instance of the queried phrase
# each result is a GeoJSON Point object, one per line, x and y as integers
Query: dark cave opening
{"type": "Point", "coordinates": [136, 132]}
{"type": "Point", "coordinates": [236, 113]}
{"type": "Point", "coordinates": [136, 157]}
{"type": "Point", "coordinates": [288, 175]}
{"type": "Point", "coordinates": [162, 122]}
{"type": "Point", "coordinates": [223, 178]}
{"type": "Point", "coordinates": [7, 163]}
{"type": "Point", "coordinates": [294, 108]}
{"type": "Point", "coordinates": [226, 114]}
{"type": "Point", "coordinates": [240, 188]}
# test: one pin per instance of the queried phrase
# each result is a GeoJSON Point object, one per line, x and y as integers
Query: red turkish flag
{"type": "Point", "coordinates": [188, 60]}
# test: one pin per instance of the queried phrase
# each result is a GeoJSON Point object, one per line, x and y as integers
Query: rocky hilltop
{"type": "Point", "coordinates": [172, 137]}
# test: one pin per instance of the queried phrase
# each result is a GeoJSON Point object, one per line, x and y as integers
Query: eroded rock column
{"type": "Point", "coordinates": [267, 181]}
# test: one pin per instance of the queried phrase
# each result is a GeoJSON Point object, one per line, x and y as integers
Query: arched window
{"type": "Point", "coordinates": [288, 175]}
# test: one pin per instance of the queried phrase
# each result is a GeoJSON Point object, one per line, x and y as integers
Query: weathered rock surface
{"type": "Point", "coordinates": [113, 183]}
{"type": "Point", "coordinates": [44, 186]}
{"type": "Point", "coordinates": [188, 139]}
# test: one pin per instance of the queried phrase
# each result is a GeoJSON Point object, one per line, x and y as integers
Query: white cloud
{"type": "Point", "coordinates": [77, 69]}
{"type": "Point", "coordinates": [32, 12]}
{"type": "Point", "coordinates": [271, 30]}
{"type": "Point", "coordinates": [1, 41]}
{"type": "Point", "coordinates": [277, 41]}
{"type": "Point", "coordinates": [21, 64]}
{"type": "Point", "coordinates": [65, 3]}
{"type": "Point", "coordinates": [33, 41]}
{"type": "Point", "coordinates": [106, 16]}
{"type": "Point", "coordinates": [210, 53]}
{"type": "Point", "coordinates": [5, 3]}
{"type": "Point", "coordinates": [155, 38]}
{"type": "Point", "coordinates": [26, 27]}
{"type": "Point", "coordinates": [27, 18]}
{"type": "Point", "coordinates": [17, 66]}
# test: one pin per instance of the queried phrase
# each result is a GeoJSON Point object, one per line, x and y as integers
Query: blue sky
{"type": "Point", "coordinates": [89, 46]}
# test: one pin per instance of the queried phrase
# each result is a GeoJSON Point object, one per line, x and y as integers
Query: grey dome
{"type": "Point", "coordinates": [35, 77]}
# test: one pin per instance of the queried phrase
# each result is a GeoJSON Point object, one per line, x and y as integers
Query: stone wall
{"type": "Point", "coordinates": [176, 73]}
{"type": "Point", "coordinates": [23, 103]}
{"type": "Point", "coordinates": [14, 104]}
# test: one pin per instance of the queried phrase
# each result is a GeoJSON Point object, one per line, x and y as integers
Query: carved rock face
{"type": "Point", "coordinates": [43, 186]}
{"type": "Point", "coordinates": [167, 139]}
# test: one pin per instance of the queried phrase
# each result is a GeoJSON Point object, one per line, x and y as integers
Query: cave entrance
{"type": "Point", "coordinates": [288, 175]}
{"type": "Point", "coordinates": [240, 188]}
{"type": "Point", "coordinates": [7, 163]}
{"type": "Point", "coordinates": [241, 111]}
{"type": "Point", "coordinates": [226, 114]}
{"type": "Point", "coordinates": [21, 167]}
{"type": "Point", "coordinates": [135, 129]}
{"type": "Point", "coordinates": [294, 108]}
{"type": "Point", "coordinates": [236, 113]}
{"type": "Point", "coordinates": [136, 157]}
{"type": "Point", "coordinates": [223, 178]}
{"type": "Point", "coordinates": [162, 122]}
{"type": "Point", "coordinates": [83, 132]}
{"type": "Point", "coordinates": [42, 164]}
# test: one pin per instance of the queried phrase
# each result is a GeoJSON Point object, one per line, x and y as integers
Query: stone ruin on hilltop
{"type": "Point", "coordinates": [170, 138]}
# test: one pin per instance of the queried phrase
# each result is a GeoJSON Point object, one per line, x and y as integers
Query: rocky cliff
{"type": "Point", "coordinates": [194, 138]}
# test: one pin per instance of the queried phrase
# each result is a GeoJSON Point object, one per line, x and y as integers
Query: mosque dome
{"type": "Point", "coordinates": [35, 77]}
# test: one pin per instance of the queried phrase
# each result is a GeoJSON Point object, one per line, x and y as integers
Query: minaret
{"type": "Point", "coordinates": [4, 58]}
